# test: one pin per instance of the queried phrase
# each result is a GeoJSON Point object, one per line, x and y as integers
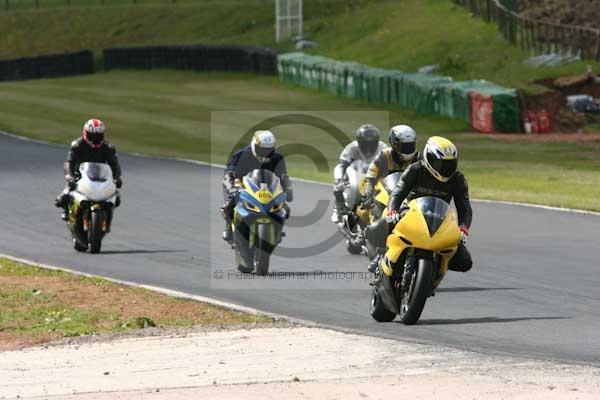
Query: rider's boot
{"type": "Point", "coordinates": [228, 232]}
{"type": "Point", "coordinates": [227, 213]}
{"type": "Point", "coordinates": [374, 264]}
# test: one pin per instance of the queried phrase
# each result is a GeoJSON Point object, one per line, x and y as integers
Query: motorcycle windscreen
{"type": "Point", "coordinates": [434, 211]}
{"type": "Point", "coordinates": [260, 176]}
{"type": "Point", "coordinates": [390, 181]}
{"type": "Point", "coordinates": [96, 172]}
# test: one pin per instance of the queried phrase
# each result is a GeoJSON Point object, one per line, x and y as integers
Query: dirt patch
{"type": "Point", "coordinates": [554, 101]}
{"type": "Point", "coordinates": [568, 12]}
{"type": "Point", "coordinates": [42, 307]}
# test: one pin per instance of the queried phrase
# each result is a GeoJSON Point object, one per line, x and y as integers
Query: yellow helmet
{"type": "Point", "coordinates": [440, 157]}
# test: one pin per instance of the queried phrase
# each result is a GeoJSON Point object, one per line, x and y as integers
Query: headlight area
{"type": "Point", "coordinates": [276, 207]}
{"type": "Point", "coordinates": [251, 207]}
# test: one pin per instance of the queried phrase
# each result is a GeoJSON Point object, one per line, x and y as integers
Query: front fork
{"type": "Point", "coordinates": [106, 222]}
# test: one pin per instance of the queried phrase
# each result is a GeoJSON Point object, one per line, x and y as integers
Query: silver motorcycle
{"type": "Point", "coordinates": [352, 224]}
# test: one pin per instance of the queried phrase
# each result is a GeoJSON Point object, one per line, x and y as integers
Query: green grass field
{"type": "Point", "coordinates": [168, 113]}
{"type": "Point", "coordinates": [400, 34]}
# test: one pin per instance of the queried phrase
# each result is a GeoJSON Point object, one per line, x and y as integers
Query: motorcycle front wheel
{"type": "Point", "coordinates": [414, 297]}
{"type": "Point", "coordinates": [263, 249]}
{"type": "Point", "coordinates": [95, 231]}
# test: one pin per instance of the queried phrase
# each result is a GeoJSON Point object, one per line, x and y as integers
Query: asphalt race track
{"type": "Point", "coordinates": [535, 289]}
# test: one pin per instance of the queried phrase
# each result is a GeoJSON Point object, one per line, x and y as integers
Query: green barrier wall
{"type": "Point", "coordinates": [424, 93]}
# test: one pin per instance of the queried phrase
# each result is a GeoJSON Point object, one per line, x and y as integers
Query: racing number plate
{"type": "Point", "coordinates": [264, 196]}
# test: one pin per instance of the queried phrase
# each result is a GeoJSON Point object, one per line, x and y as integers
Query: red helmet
{"type": "Point", "coordinates": [93, 133]}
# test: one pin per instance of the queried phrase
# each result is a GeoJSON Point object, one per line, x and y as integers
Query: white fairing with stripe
{"type": "Point", "coordinates": [96, 184]}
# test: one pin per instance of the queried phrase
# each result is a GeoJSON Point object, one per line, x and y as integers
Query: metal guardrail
{"type": "Point", "coordinates": [537, 36]}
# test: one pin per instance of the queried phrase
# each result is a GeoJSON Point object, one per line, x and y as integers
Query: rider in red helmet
{"type": "Point", "coordinates": [91, 147]}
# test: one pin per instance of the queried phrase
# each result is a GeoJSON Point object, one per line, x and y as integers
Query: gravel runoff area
{"type": "Point", "coordinates": [281, 362]}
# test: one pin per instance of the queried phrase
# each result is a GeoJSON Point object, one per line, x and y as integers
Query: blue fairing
{"type": "Point", "coordinates": [264, 208]}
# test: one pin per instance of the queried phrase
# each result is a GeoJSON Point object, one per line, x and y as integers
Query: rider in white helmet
{"type": "Point", "coordinates": [396, 158]}
{"type": "Point", "coordinates": [261, 153]}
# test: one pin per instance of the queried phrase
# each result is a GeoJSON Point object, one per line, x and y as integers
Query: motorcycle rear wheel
{"type": "Point", "coordinates": [412, 303]}
{"type": "Point", "coordinates": [78, 247]}
{"type": "Point", "coordinates": [352, 247]}
{"type": "Point", "coordinates": [378, 310]}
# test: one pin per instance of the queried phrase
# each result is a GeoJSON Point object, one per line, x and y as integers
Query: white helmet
{"type": "Point", "coordinates": [263, 145]}
{"type": "Point", "coordinates": [403, 140]}
{"type": "Point", "coordinates": [440, 157]}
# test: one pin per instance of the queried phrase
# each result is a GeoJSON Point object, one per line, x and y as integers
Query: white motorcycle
{"type": "Point", "coordinates": [91, 209]}
{"type": "Point", "coordinates": [352, 224]}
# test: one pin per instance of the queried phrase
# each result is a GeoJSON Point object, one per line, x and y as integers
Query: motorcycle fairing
{"type": "Point", "coordinates": [262, 200]}
{"type": "Point", "coordinates": [385, 186]}
{"type": "Point", "coordinates": [414, 231]}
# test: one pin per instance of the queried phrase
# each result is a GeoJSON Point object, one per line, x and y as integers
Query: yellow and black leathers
{"type": "Point", "coordinates": [387, 162]}
{"type": "Point", "coordinates": [417, 182]}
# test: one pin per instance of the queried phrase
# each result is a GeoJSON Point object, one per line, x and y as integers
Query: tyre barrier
{"type": "Point", "coordinates": [47, 66]}
{"type": "Point", "coordinates": [194, 57]}
{"type": "Point", "coordinates": [426, 94]}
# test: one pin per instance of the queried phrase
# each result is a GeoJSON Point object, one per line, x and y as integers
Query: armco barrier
{"type": "Point", "coordinates": [194, 57]}
{"type": "Point", "coordinates": [47, 66]}
{"type": "Point", "coordinates": [426, 94]}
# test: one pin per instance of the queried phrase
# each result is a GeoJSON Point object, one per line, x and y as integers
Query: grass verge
{"type": "Point", "coordinates": [406, 34]}
{"type": "Point", "coordinates": [39, 305]}
{"type": "Point", "coordinates": [168, 113]}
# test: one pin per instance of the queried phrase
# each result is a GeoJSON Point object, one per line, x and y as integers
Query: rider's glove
{"type": "Point", "coordinates": [392, 217]}
{"type": "Point", "coordinates": [70, 182]}
{"type": "Point", "coordinates": [464, 234]}
{"type": "Point", "coordinates": [232, 192]}
{"type": "Point", "coordinates": [119, 182]}
{"type": "Point", "coordinates": [339, 185]}
{"type": "Point", "coordinates": [289, 195]}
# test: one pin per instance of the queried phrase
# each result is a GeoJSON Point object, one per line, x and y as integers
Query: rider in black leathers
{"type": "Point", "coordinates": [437, 175]}
{"type": "Point", "coordinates": [91, 147]}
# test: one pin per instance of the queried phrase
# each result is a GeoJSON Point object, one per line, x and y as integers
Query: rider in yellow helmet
{"type": "Point", "coordinates": [437, 175]}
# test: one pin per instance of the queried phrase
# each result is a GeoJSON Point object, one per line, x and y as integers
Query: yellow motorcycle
{"type": "Point", "coordinates": [383, 189]}
{"type": "Point", "coordinates": [418, 252]}
{"type": "Point", "coordinates": [377, 229]}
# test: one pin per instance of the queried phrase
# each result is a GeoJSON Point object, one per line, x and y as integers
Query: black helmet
{"type": "Point", "coordinates": [367, 137]}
